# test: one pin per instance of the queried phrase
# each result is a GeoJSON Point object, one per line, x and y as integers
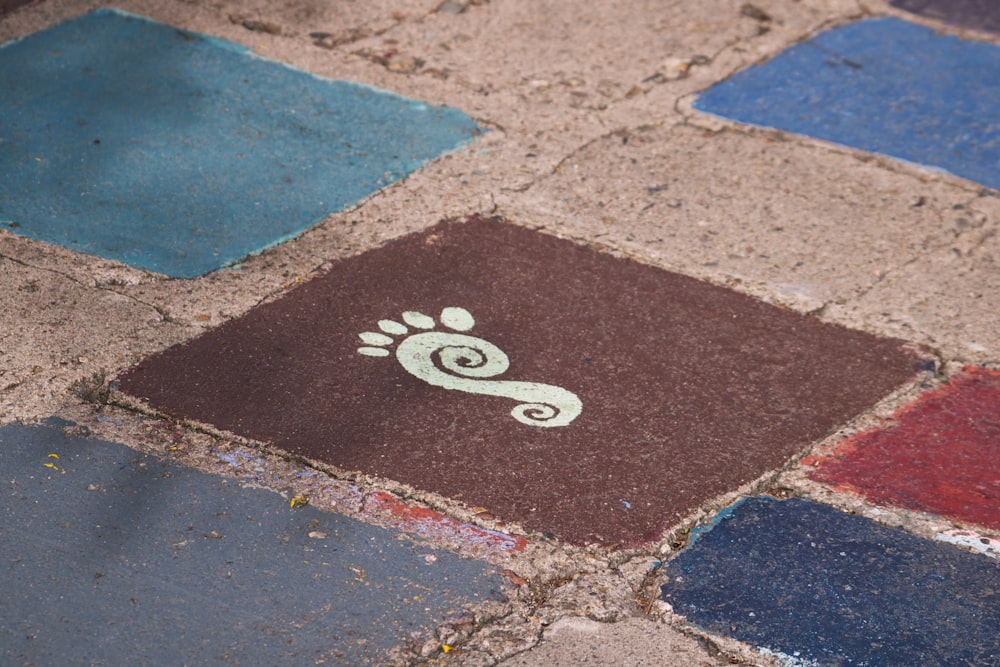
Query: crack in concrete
{"type": "Point", "coordinates": [164, 316]}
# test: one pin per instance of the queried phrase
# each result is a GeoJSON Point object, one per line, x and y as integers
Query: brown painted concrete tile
{"type": "Point", "coordinates": [667, 391]}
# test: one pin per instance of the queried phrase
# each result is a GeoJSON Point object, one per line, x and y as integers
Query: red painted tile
{"type": "Point", "coordinates": [940, 455]}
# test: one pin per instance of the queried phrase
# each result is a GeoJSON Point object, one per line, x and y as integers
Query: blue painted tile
{"type": "Point", "coordinates": [112, 557]}
{"type": "Point", "coordinates": [179, 153]}
{"type": "Point", "coordinates": [824, 587]}
{"type": "Point", "coordinates": [881, 85]}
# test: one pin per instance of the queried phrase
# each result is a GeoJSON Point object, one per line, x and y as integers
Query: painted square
{"type": "Point", "coordinates": [113, 557]}
{"type": "Point", "coordinates": [974, 14]}
{"type": "Point", "coordinates": [882, 85]}
{"type": "Point", "coordinates": [940, 454]}
{"type": "Point", "coordinates": [810, 585]}
{"type": "Point", "coordinates": [180, 153]}
{"type": "Point", "coordinates": [582, 395]}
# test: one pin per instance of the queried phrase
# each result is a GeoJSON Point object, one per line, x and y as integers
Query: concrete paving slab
{"type": "Point", "coordinates": [940, 454]}
{"type": "Point", "coordinates": [328, 24]}
{"type": "Point", "coordinates": [115, 557]}
{"type": "Point", "coordinates": [882, 85]}
{"type": "Point", "coordinates": [571, 76]}
{"type": "Point", "coordinates": [55, 332]}
{"type": "Point", "coordinates": [950, 298]}
{"type": "Point", "coordinates": [974, 14]}
{"type": "Point", "coordinates": [634, 642]}
{"type": "Point", "coordinates": [384, 365]}
{"type": "Point", "coordinates": [809, 225]}
{"type": "Point", "coordinates": [218, 153]}
{"type": "Point", "coordinates": [814, 586]}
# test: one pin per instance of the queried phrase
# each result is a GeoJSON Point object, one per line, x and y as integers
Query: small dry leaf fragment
{"type": "Point", "coordinates": [317, 534]}
{"type": "Point", "coordinates": [298, 501]}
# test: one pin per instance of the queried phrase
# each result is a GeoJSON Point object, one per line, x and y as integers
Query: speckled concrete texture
{"type": "Point", "coordinates": [582, 641]}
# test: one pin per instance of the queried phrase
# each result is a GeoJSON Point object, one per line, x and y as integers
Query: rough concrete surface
{"type": "Point", "coordinates": [581, 641]}
{"type": "Point", "coordinates": [793, 218]}
{"type": "Point", "coordinates": [591, 136]}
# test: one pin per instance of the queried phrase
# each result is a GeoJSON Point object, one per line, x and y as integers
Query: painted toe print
{"type": "Point", "coordinates": [463, 363]}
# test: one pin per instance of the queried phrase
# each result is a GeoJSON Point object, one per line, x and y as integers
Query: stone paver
{"type": "Point", "coordinates": [218, 153]}
{"type": "Point", "coordinates": [940, 454]}
{"type": "Point", "coordinates": [638, 366]}
{"type": "Point", "coordinates": [115, 557]}
{"type": "Point", "coordinates": [815, 586]}
{"type": "Point", "coordinates": [882, 85]}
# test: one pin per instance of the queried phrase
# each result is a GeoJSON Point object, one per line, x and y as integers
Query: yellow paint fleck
{"type": "Point", "coordinates": [52, 465]}
{"type": "Point", "coordinates": [53, 456]}
{"type": "Point", "coordinates": [299, 501]}
{"type": "Point", "coordinates": [447, 649]}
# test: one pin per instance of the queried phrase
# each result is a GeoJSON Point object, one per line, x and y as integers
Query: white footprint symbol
{"type": "Point", "coordinates": [461, 362]}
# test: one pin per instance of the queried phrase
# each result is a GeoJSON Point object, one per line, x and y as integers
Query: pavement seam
{"type": "Point", "coordinates": [164, 315]}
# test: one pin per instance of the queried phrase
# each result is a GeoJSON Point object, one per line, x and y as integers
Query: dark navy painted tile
{"type": "Point", "coordinates": [881, 85]}
{"type": "Point", "coordinates": [179, 153]}
{"type": "Point", "coordinates": [824, 587]}
{"type": "Point", "coordinates": [112, 557]}
{"type": "Point", "coordinates": [975, 14]}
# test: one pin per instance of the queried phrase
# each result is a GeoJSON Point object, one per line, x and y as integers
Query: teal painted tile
{"type": "Point", "coordinates": [179, 153]}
